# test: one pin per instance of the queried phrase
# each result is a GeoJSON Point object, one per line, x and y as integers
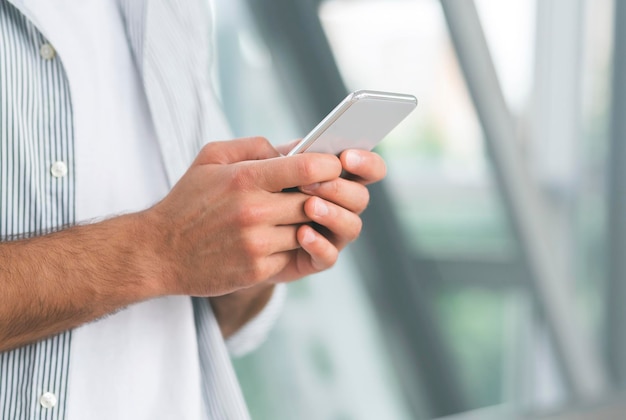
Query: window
{"type": "Point", "coordinates": [336, 353]}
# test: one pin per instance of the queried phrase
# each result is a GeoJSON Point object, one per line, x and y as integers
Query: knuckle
{"type": "Point", "coordinates": [364, 200]}
{"type": "Point", "coordinates": [254, 246]}
{"type": "Point", "coordinates": [306, 168]}
{"type": "Point", "coordinates": [247, 213]}
{"type": "Point", "coordinates": [334, 188]}
{"type": "Point", "coordinates": [242, 177]}
{"type": "Point", "coordinates": [248, 248]}
{"type": "Point", "coordinates": [329, 261]}
{"type": "Point", "coordinates": [258, 272]}
{"type": "Point", "coordinates": [207, 148]}
{"type": "Point", "coordinates": [210, 150]}
{"type": "Point", "coordinates": [333, 259]}
{"type": "Point", "coordinates": [261, 142]}
{"type": "Point", "coordinates": [355, 229]}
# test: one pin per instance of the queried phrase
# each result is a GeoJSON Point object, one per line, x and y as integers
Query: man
{"type": "Point", "coordinates": [105, 109]}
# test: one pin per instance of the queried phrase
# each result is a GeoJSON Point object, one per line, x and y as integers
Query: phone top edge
{"type": "Point", "coordinates": [375, 94]}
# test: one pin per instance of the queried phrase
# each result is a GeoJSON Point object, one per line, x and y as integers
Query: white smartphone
{"type": "Point", "coordinates": [360, 121]}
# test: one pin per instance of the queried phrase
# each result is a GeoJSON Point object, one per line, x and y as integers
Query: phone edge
{"type": "Point", "coordinates": [342, 107]}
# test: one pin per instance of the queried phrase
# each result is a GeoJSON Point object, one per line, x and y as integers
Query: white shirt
{"type": "Point", "coordinates": [142, 362]}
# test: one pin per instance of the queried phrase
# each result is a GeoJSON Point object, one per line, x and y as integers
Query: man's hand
{"type": "Point", "coordinates": [227, 225]}
{"type": "Point", "coordinates": [335, 209]}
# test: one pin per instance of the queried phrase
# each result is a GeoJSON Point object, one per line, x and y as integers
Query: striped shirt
{"type": "Point", "coordinates": [44, 126]}
{"type": "Point", "coordinates": [36, 130]}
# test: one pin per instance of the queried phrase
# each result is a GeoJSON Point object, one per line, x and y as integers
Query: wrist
{"type": "Point", "coordinates": [236, 309]}
{"type": "Point", "coordinates": [141, 246]}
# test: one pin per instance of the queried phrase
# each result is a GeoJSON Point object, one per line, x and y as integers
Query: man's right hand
{"type": "Point", "coordinates": [227, 224]}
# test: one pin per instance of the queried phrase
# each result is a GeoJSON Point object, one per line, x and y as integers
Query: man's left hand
{"type": "Point", "coordinates": [335, 207]}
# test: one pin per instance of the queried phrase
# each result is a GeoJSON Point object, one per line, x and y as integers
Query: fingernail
{"type": "Point", "coordinates": [320, 208]}
{"type": "Point", "coordinates": [353, 159]}
{"type": "Point", "coordinates": [310, 187]}
{"type": "Point", "coordinates": [308, 237]}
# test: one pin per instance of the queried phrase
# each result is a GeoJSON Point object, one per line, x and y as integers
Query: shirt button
{"type": "Point", "coordinates": [48, 400]}
{"type": "Point", "coordinates": [47, 51]}
{"type": "Point", "coordinates": [58, 169]}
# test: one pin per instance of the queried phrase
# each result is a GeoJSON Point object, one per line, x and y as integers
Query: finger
{"type": "Point", "coordinates": [317, 253]}
{"type": "Point", "coordinates": [283, 149]}
{"type": "Point", "coordinates": [343, 226]}
{"type": "Point", "coordinates": [238, 150]}
{"type": "Point", "coordinates": [261, 243]}
{"type": "Point", "coordinates": [272, 209]}
{"type": "Point", "coordinates": [271, 251]}
{"type": "Point", "coordinates": [291, 171]}
{"type": "Point", "coordinates": [348, 194]}
{"type": "Point", "coordinates": [322, 253]}
{"type": "Point", "coordinates": [363, 166]}
{"type": "Point", "coordinates": [268, 268]}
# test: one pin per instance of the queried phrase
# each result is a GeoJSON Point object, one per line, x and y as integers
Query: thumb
{"type": "Point", "coordinates": [238, 150]}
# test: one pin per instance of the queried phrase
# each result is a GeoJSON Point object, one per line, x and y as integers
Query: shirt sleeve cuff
{"type": "Point", "coordinates": [254, 332]}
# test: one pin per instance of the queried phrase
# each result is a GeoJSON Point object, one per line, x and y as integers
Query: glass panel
{"type": "Point", "coordinates": [437, 168]}
{"type": "Point", "coordinates": [246, 78]}
{"type": "Point", "coordinates": [441, 182]}
{"type": "Point", "coordinates": [325, 359]}
{"type": "Point", "coordinates": [439, 177]}
{"type": "Point", "coordinates": [510, 32]}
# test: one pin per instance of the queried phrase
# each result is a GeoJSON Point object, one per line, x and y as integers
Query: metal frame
{"type": "Point", "coordinates": [615, 321]}
{"type": "Point", "coordinates": [609, 408]}
{"type": "Point", "coordinates": [500, 274]}
{"type": "Point", "coordinates": [554, 165]}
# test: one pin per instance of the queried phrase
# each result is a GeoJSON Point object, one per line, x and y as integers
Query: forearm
{"type": "Point", "coordinates": [58, 281]}
{"type": "Point", "coordinates": [225, 227]}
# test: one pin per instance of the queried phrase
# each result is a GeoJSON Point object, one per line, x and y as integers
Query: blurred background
{"type": "Point", "coordinates": [490, 280]}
